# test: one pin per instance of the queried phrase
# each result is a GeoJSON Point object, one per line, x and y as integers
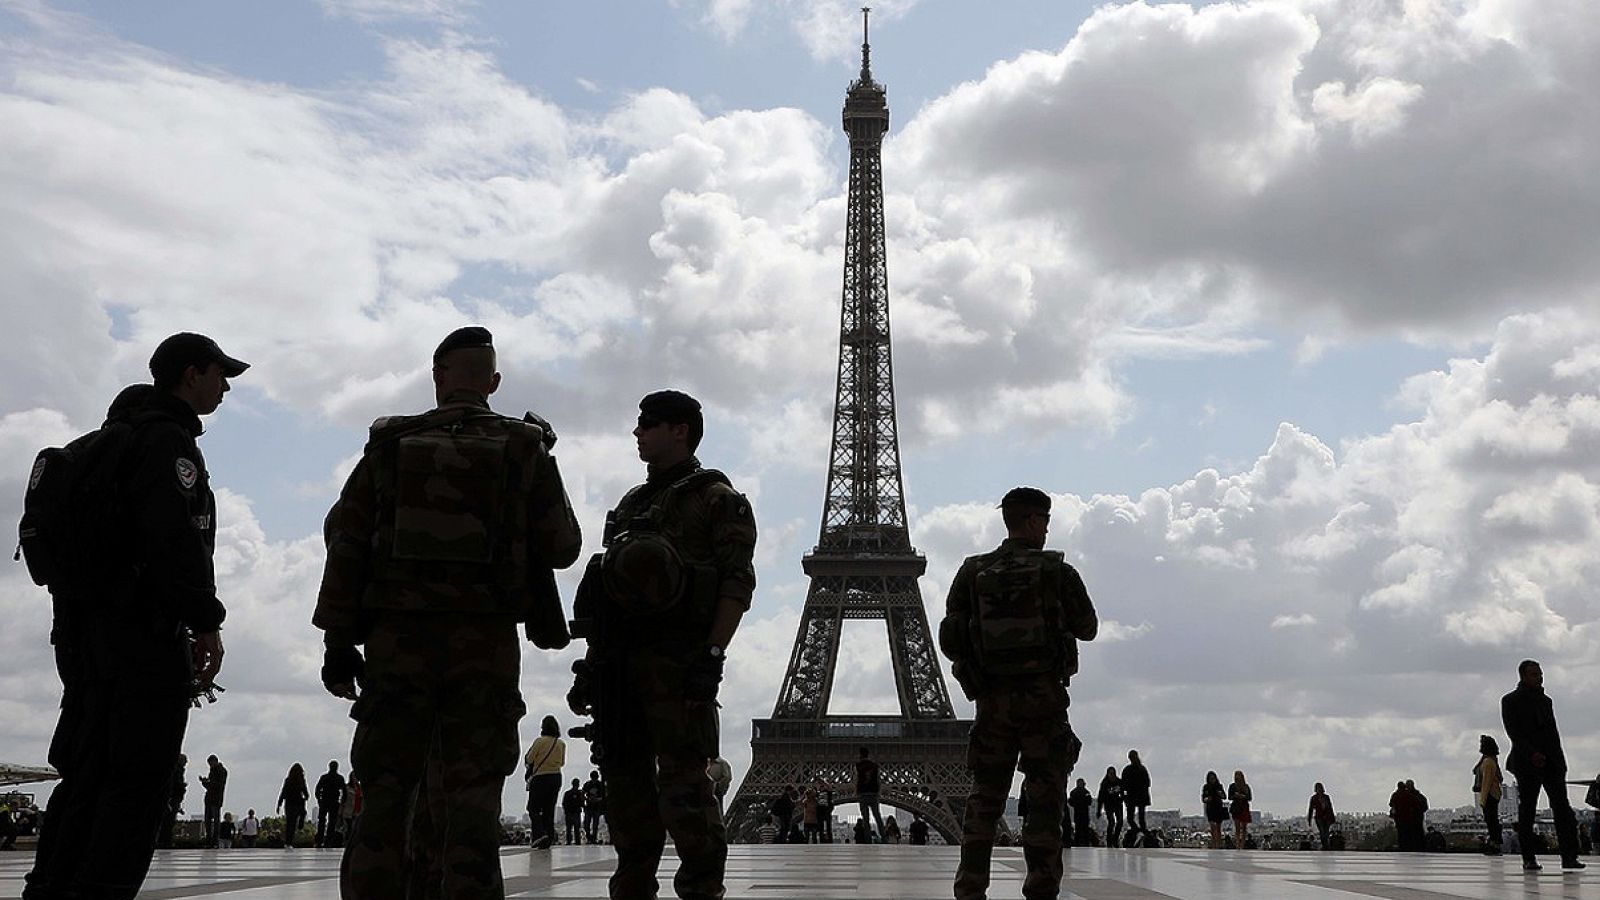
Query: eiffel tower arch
{"type": "Point", "coordinates": [863, 566]}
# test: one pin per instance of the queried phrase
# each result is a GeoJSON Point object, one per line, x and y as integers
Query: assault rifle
{"type": "Point", "coordinates": [599, 676]}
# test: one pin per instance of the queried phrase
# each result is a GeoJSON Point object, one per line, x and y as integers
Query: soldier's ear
{"type": "Point", "coordinates": [494, 383]}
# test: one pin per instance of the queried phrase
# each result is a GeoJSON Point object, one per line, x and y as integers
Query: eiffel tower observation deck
{"type": "Point", "coordinates": [863, 566]}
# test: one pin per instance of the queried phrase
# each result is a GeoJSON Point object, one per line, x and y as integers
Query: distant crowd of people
{"type": "Point", "coordinates": [338, 805]}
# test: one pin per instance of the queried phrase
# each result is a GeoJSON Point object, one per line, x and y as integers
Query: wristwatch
{"type": "Point", "coordinates": [717, 653]}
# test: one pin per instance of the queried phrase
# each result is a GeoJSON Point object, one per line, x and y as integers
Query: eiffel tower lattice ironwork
{"type": "Point", "coordinates": [864, 566]}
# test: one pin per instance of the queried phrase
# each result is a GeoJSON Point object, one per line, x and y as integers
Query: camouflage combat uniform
{"type": "Point", "coordinates": [657, 782]}
{"type": "Point", "coordinates": [1010, 611]}
{"type": "Point", "coordinates": [442, 540]}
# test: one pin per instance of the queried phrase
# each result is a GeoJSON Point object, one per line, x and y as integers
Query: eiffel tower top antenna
{"type": "Point", "coordinates": [866, 47]}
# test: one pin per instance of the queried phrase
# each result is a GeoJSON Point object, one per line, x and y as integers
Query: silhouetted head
{"type": "Point", "coordinates": [1316, 788]}
{"type": "Point", "coordinates": [1133, 756]}
{"type": "Point", "coordinates": [1081, 783]}
{"type": "Point", "coordinates": [333, 765]}
{"type": "Point", "coordinates": [574, 782]}
{"type": "Point", "coordinates": [193, 368]}
{"type": "Point", "coordinates": [669, 429]}
{"type": "Point", "coordinates": [296, 771]}
{"type": "Point", "coordinates": [1487, 746]}
{"type": "Point", "coordinates": [1026, 513]}
{"type": "Point", "coordinates": [1111, 771]}
{"type": "Point", "coordinates": [1529, 673]}
{"type": "Point", "coordinates": [465, 361]}
{"type": "Point", "coordinates": [1211, 778]}
{"type": "Point", "coordinates": [212, 759]}
{"type": "Point", "coordinates": [549, 727]}
{"type": "Point", "coordinates": [1238, 776]}
{"type": "Point", "coordinates": [1410, 785]}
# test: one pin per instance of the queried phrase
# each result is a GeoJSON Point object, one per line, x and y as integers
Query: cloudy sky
{"type": "Point", "coordinates": [1292, 304]}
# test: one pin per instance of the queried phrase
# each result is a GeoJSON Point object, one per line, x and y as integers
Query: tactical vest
{"type": "Point", "coordinates": [644, 572]}
{"type": "Point", "coordinates": [452, 511]}
{"type": "Point", "coordinates": [1017, 627]}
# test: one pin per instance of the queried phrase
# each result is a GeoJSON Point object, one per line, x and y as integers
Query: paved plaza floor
{"type": "Point", "coordinates": [874, 872]}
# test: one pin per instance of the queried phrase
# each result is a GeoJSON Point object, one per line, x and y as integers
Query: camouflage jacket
{"type": "Point", "coordinates": [405, 535]}
{"type": "Point", "coordinates": [710, 526]}
{"type": "Point", "coordinates": [1075, 616]}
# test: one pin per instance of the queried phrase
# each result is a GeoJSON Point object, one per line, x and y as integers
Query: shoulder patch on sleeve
{"type": "Point", "coordinates": [188, 472]}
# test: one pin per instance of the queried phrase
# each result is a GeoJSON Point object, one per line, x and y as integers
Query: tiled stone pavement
{"type": "Point", "coordinates": [873, 872]}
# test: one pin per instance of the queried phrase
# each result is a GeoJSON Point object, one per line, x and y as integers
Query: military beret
{"type": "Point", "coordinates": [1025, 498]}
{"type": "Point", "coordinates": [185, 349]}
{"type": "Point", "coordinates": [461, 338]}
{"type": "Point", "coordinates": [671, 406]}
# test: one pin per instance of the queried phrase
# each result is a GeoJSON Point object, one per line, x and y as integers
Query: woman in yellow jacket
{"type": "Point", "coordinates": [543, 776]}
{"type": "Point", "coordinates": [1486, 786]}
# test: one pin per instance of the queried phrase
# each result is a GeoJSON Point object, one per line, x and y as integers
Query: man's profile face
{"type": "Point", "coordinates": [658, 440]}
{"type": "Point", "coordinates": [1533, 676]}
{"type": "Point", "coordinates": [208, 386]}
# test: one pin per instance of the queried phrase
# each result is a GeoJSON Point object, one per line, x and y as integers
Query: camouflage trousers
{"type": "Point", "coordinates": [436, 725]}
{"type": "Point", "coordinates": [658, 785]}
{"type": "Point", "coordinates": [1021, 723]}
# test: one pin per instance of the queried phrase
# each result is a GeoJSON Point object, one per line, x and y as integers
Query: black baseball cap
{"type": "Point", "coordinates": [185, 349]}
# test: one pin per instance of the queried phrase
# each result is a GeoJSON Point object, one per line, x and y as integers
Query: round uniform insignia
{"type": "Point", "coordinates": [187, 473]}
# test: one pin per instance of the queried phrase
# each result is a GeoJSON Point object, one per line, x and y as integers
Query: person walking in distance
{"type": "Point", "coordinates": [1080, 802]}
{"type": "Point", "coordinates": [1239, 797]}
{"type": "Point", "coordinates": [292, 799]}
{"type": "Point", "coordinates": [572, 812]}
{"type": "Point", "coordinates": [444, 538]}
{"type": "Point", "coordinates": [215, 781]}
{"type": "Point", "coordinates": [594, 807]}
{"type": "Point", "coordinates": [1319, 812]}
{"type": "Point", "coordinates": [1011, 630]}
{"type": "Point", "coordinates": [544, 761]}
{"type": "Point", "coordinates": [249, 829]}
{"type": "Point", "coordinates": [671, 587]}
{"type": "Point", "coordinates": [1108, 803]}
{"type": "Point", "coordinates": [869, 789]}
{"type": "Point", "coordinates": [330, 801]}
{"type": "Point", "coordinates": [1537, 763]}
{"type": "Point", "coordinates": [1212, 798]}
{"type": "Point", "coordinates": [1487, 788]}
{"type": "Point", "coordinates": [1136, 792]}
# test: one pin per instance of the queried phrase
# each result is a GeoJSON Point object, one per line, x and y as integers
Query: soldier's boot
{"type": "Point", "coordinates": [972, 873]}
{"type": "Point", "coordinates": [1043, 881]}
{"type": "Point", "coordinates": [635, 878]}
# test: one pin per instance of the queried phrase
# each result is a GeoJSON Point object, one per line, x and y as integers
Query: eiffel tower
{"type": "Point", "coordinates": [864, 566]}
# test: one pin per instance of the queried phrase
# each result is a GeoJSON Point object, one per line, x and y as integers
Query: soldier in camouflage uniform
{"type": "Point", "coordinates": [1010, 630]}
{"type": "Point", "coordinates": [672, 585]}
{"type": "Point", "coordinates": [443, 539]}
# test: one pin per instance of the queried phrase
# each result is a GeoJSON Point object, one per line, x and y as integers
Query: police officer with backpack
{"type": "Point", "coordinates": [1011, 628]}
{"type": "Point", "coordinates": [443, 540]}
{"type": "Point", "coordinates": [123, 531]}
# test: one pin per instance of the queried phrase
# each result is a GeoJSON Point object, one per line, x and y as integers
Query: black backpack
{"type": "Point", "coordinates": [71, 509]}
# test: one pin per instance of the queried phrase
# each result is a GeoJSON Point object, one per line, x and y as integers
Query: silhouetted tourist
{"type": "Point", "coordinates": [572, 812]}
{"type": "Point", "coordinates": [1239, 798]}
{"type": "Point", "coordinates": [543, 781]}
{"type": "Point", "coordinates": [868, 788]}
{"type": "Point", "coordinates": [350, 809]}
{"type": "Point", "coordinates": [767, 832]}
{"type": "Point", "coordinates": [1407, 819]}
{"type": "Point", "coordinates": [825, 808]}
{"type": "Point", "coordinates": [1080, 801]}
{"type": "Point", "coordinates": [863, 832]}
{"type": "Point", "coordinates": [1487, 788]}
{"type": "Point", "coordinates": [1212, 800]}
{"type": "Point", "coordinates": [1538, 763]}
{"type": "Point", "coordinates": [810, 815]}
{"type": "Point", "coordinates": [594, 806]}
{"type": "Point", "coordinates": [1108, 803]}
{"type": "Point", "coordinates": [782, 810]}
{"type": "Point", "coordinates": [891, 831]}
{"type": "Point", "coordinates": [330, 800]}
{"type": "Point", "coordinates": [1319, 812]}
{"type": "Point", "coordinates": [1135, 790]}
{"type": "Point", "coordinates": [249, 829]}
{"type": "Point", "coordinates": [292, 803]}
{"type": "Point", "coordinates": [917, 830]}
{"type": "Point", "coordinates": [215, 781]}
{"type": "Point", "coordinates": [8, 827]}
